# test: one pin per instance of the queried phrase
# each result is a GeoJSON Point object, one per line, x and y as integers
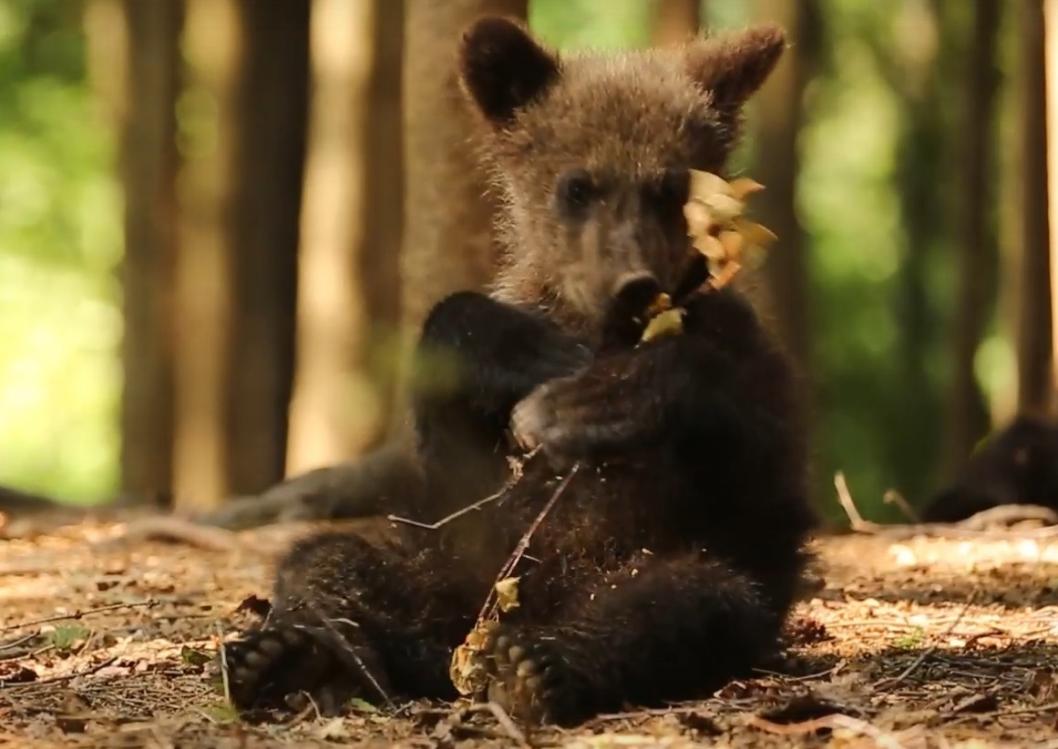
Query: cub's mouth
{"type": "Point", "coordinates": [634, 293]}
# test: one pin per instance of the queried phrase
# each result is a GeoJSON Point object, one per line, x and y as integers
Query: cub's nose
{"type": "Point", "coordinates": [634, 291]}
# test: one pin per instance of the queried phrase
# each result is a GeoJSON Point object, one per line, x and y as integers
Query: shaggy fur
{"type": "Point", "coordinates": [670, 561]}
{"type": "Point", "coordinates": [1018, 465]}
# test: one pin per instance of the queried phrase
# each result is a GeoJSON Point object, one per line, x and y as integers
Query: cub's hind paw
{"type": "Point", "coordinates": [289, 665]}
{"type": "Point", "coordinates": [532, 680]}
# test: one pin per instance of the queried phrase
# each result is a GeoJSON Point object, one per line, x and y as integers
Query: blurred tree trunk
{"type": "Point", "coordinates": [676, 21]}
{"type": "Point", "coordinates": [779, 114]}
{"type": "Point", "coordinates": [1050, 10]}
{"type": "Point", "coordinates": [913, 53]}
{"type": "Point", "coordinates": [135, 66]}
{"type": "Point", "coordinates": [1034, 294]}
{"type": "Point", "coordinates": [243, 121]}
{"type": "Point", "coordinates": [349, 291]}
{"type": "Point", "coordinates": [448, 241]}
{"type": "Point", "coordinates": [976, 247]}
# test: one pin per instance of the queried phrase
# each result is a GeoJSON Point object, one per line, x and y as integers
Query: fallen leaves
{"type": "Point", "coordinates": [718, 231]}
{"type": "Point", "coordinates": [714, 222]}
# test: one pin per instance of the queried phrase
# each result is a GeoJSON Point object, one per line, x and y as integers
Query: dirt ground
{"type": "Point", "coordinates": [108, 637]}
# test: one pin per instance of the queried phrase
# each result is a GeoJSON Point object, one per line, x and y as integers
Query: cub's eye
{"type": "Point", "coordinates": [575, 192]}
{"type": "Point", "coordinates": [675, 186]}
{"type": "Point", "coordinates": [670, 190]}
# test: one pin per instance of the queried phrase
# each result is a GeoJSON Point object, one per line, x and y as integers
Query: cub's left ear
{"type": "Point", "coordinates": [503, 68]}
{"type": "Point", "coordinates": [732, 67]}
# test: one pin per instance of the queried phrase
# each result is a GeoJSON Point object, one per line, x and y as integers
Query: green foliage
{"type": "Point", "coordinates": [574, 24]}
{"type": "Point", "coordinates": [881, 289]}
{"type": "Point", "coordinates": [65, 636]}
{"type": "Point", "coordinates": [912, 640]}
{"type": "Point", "coordinates": [60, 324]}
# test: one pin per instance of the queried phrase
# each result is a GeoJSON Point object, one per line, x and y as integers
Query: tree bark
{"type": "Point", "coordinates": [977, 260]}
{"type": "Point", "coordinates": [1034, 300]}
{"type": "Point", "coordinates": [134, 64]}
{"type": "Point", "coordinates": [1051, 63]}
{"type": "Point", "coordinates": [149, 164]}
{"type": "Point", "coordinates": [349, 284]}
{"type": "Point", "coordinates": [448, 240]}
{"type": "Point", "coordinates": [779, 114]}
{"type": "Point", "coordinates": [244, 120]}
{"type": "Point", "coordinates": [676, 21]}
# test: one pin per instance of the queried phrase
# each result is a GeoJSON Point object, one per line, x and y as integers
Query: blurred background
{"type": "Point", "coordinates": [220, 219]}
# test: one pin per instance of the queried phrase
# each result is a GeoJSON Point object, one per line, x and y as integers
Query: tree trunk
{"type": "Point", "coordinates": [779, 113]}
{"type": "Point", "coordinates": [676, 21]}
{"type": "Point", "coordinates": [134, 63]}
{"type": "Point", "coordinates": [976, 246]}
{"type": "Point", "coordinates": [244, 120]}
{"type": "Point", "coordinates": [1034, 299]}
{"type": "Point", "coordinates": [349, 290]}
{"type": "Point", "coordinates": [448, 241]}
{"type": "Point", "coordinates": [1051, 62]}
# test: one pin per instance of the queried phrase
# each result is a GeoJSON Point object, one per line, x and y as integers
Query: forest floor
{"type": "Point", "coordinates": [108, 638]}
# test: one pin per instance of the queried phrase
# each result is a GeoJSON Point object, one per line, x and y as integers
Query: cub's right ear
{"type": "Point", "coordinates": [503, 68]}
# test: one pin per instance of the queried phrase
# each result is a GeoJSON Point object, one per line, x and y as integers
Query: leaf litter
{"type": "Point", "coordinates": [921, 641]}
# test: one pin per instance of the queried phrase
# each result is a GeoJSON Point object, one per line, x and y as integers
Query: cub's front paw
{"type": "Point", "coordinates": [285, 665]}
{"type": "Point", "coordinates": [532, 681]}
{"type": "Point", "coordinates": [577, 417]}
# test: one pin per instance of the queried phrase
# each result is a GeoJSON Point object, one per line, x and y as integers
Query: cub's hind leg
{"type": "Point", "coordinates": [674, 630]}
{"type": "Point", "coordinates": [352, 619]}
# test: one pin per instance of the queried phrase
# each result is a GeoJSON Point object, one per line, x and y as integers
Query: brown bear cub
{"type": "Point", "coordinates": [1017, 465]}
{"type": "Point", "coordinates": [669, 562]}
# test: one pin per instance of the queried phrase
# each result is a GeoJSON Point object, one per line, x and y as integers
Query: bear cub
{"type": "Point", "coordinates": [669, 562]}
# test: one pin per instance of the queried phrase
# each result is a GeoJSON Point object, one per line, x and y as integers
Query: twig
{"type": "Point", "coordinates": [508, 726]}
{"type": "Point", "coordinates": [347, 653]}
{"type": "Point", "coordinates": [804, 677]}
{"type": "Point", "coordinates": [1008, 514]}
{"type": "Point", "coordinates": [837, 720]}
{"type": "Point", "coordinates": [1028, 710]}
{"type": "Point", "coordinates": [517, 471]}
{"type": "Point", "coordinates": [489, 607]}
{"type": "Point", "coordinates": [222, 649]}
{"type": "Point", "coordinates": [177, 529]}
{"type": "Point", "coordinates": [57, 679]}
{"type": "Point", "coordinates": [856, 520]}
{"type": "Point", "coordinates": [930, 650]}
{"type": "Point", "coordinates": [893, 497]}
{"type": "Point", "coordinates": [649, 712]}
{"type": "Point", "coordinates": [80, 614]}
{"type": "Point", "coordinates": [19, 641]}
{"type": "Point", "coordinates": [975, 526]}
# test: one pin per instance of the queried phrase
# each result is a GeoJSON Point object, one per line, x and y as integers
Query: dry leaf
{"type": "Point", "coordinates": [669, 322]}
{"type": "Point", "coordinates": [507, 594]}
{"type": "Point", "coordinates": [467, 670]}
{"type": "Point", "coordinates": [715, 224]}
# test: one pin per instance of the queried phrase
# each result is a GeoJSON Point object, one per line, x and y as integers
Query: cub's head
{"type": "Point", "coordinates": [590, 154]}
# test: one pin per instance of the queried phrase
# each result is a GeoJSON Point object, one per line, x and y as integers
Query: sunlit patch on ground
{"type": "Point", "coordinates": [916, 642]}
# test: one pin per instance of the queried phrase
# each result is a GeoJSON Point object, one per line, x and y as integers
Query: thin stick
{"type": "Point", "coordinates": [523, 544]}
{"type": "Point", "coordinates": [80, 614]}
{"type": "Point", "coordinates": [649, 712]}
{"type": "Point", "coordinates": [19, 641]}
{"type": "Point", "coordinates": [856, 520]}
{"type": "Point", "coordinates": [508, 726]}
{"type": "Point", "coordinates": [893, 497]}
{"type": "Point", "coordinates": [930, 650]}
{"type": "Point", "coordinates": [223, 662]}
{"type": "Point", "coordinates": [345, 649]}
{"type": "Point", "coordinates": [837, 720]}
{"type": "Point", "coordinates": [517, 471]}
{"type": "Point", "coordinates": [56, 679]}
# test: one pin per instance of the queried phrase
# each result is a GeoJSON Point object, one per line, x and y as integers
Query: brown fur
{"type": "Point", "coordinates": [626, 119]}
{"type": "Point", "coordinates": [672, 558]}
